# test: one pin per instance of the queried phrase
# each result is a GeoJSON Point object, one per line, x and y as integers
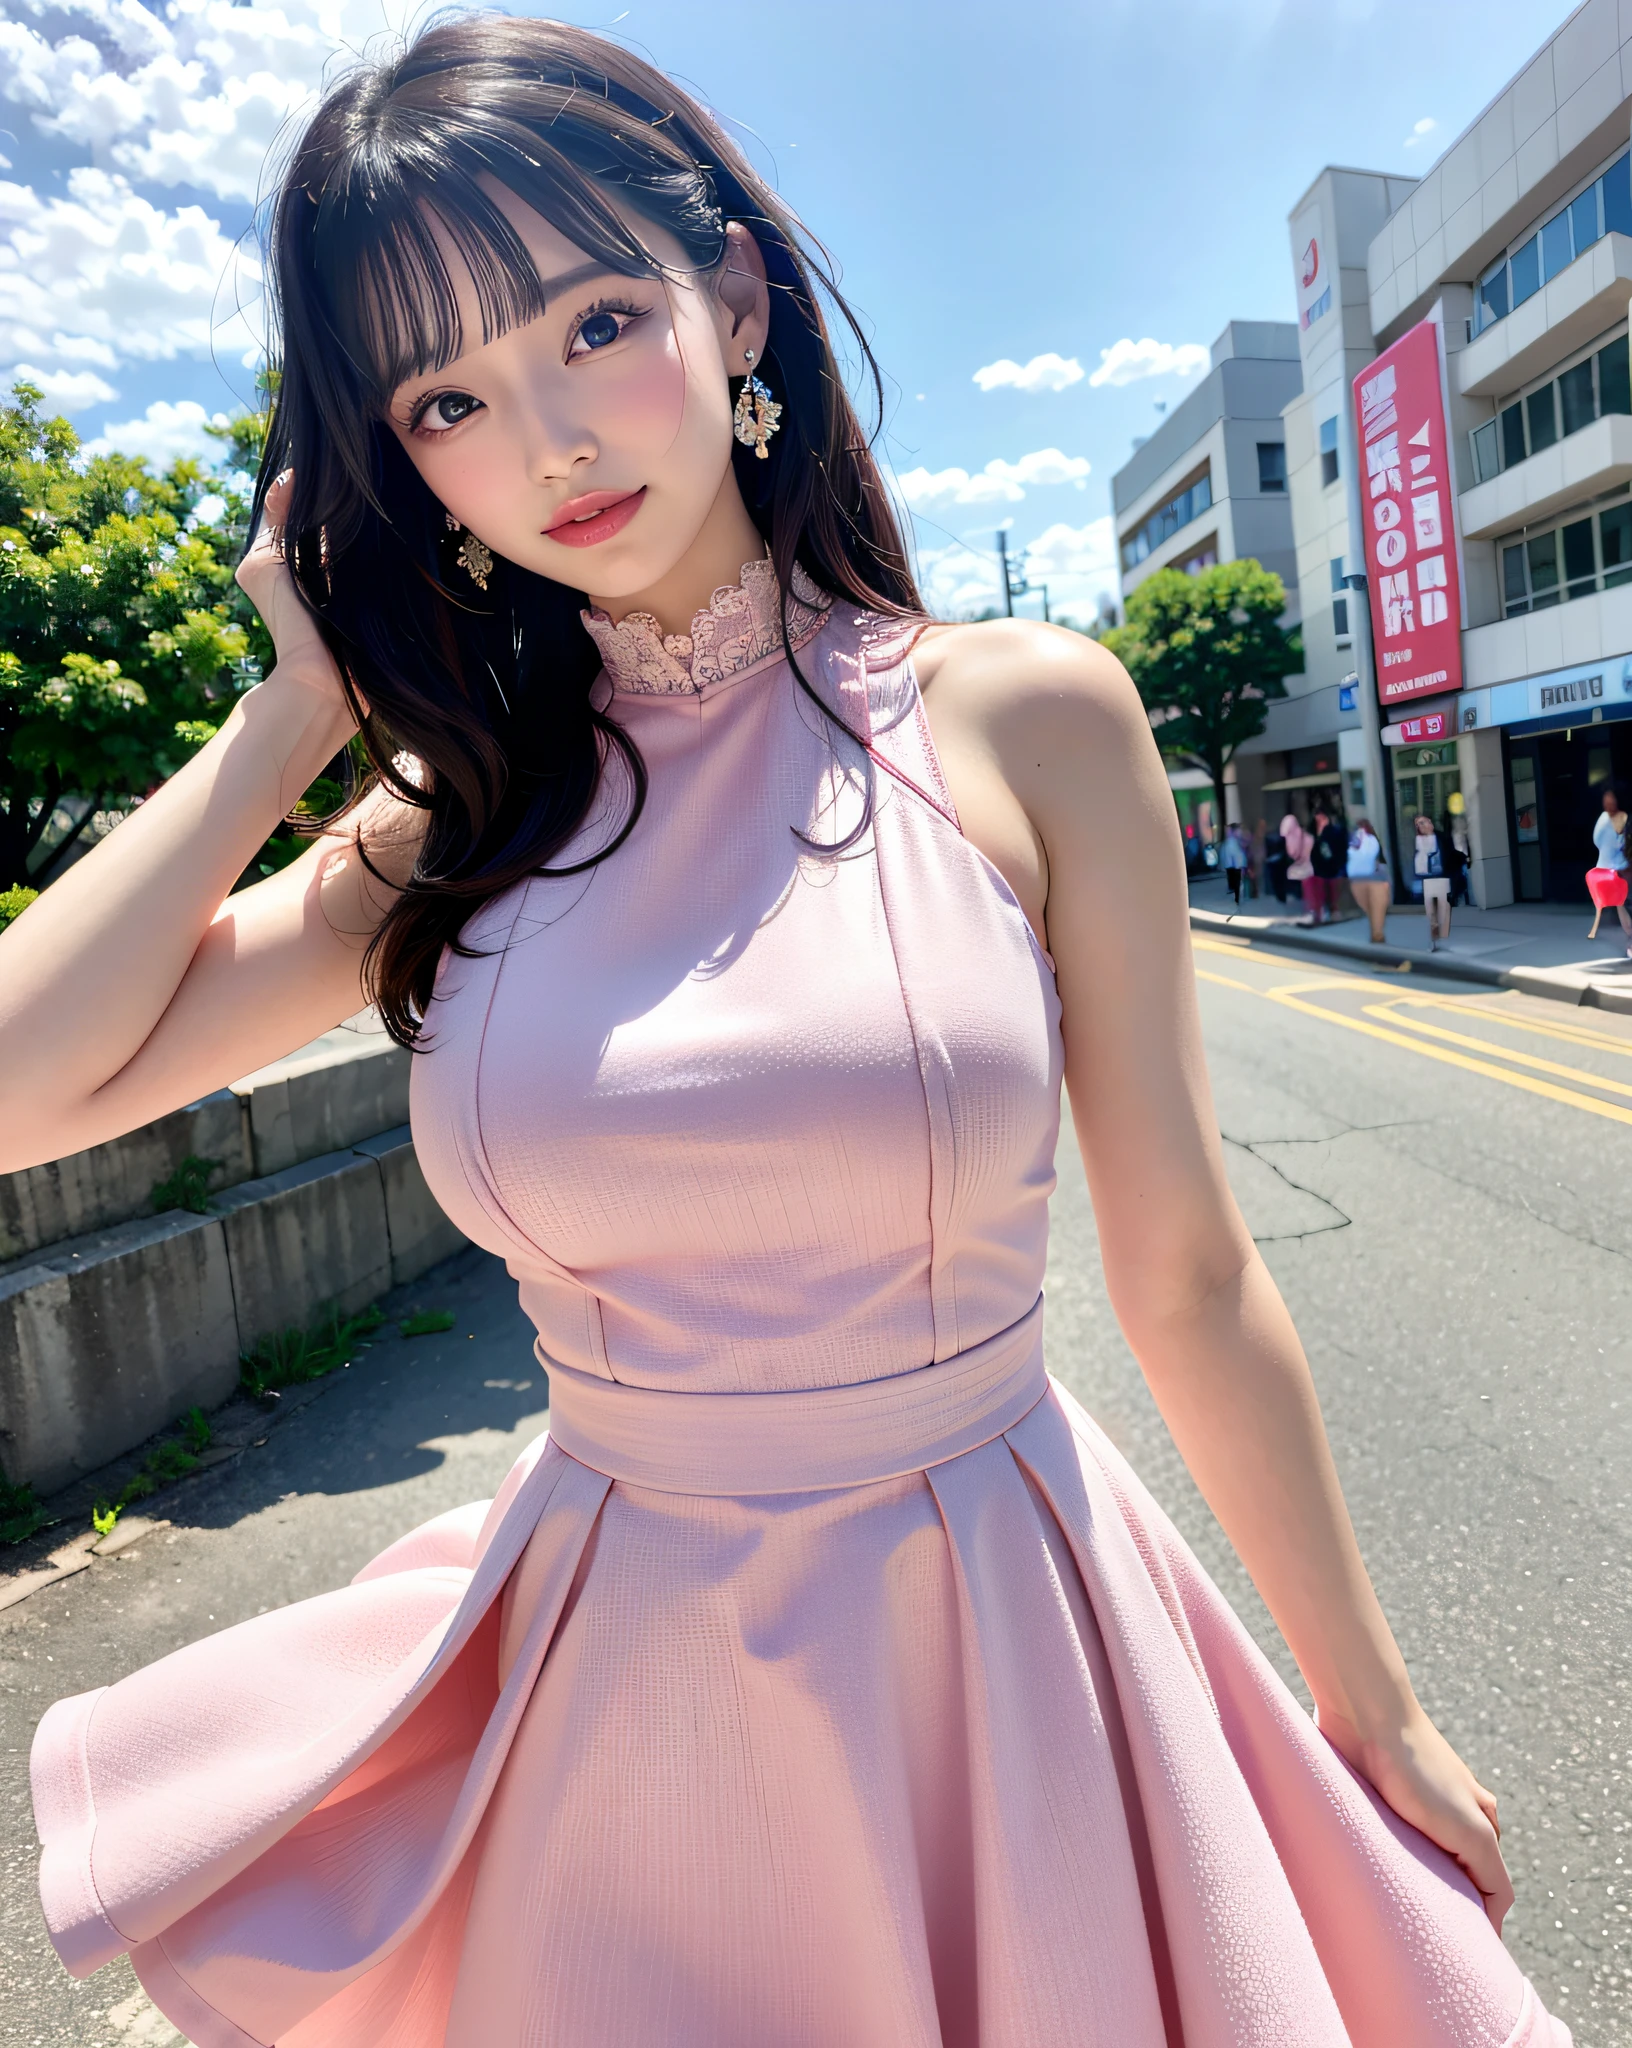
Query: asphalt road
{"type": "Point", "coordinates": [1439, 1182]}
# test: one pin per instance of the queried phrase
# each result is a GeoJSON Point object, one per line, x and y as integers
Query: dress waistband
{"type": "Point", "coordinates": [814, 1440]}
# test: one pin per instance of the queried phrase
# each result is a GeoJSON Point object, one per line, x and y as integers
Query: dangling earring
{"type": "Point", "coordinates": [473, 557]}
{"type": "Point", "coordinates": [757, 416]}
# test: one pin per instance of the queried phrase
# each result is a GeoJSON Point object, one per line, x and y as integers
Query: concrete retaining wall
{"type": "Point", "coordinates": [112, 1327]}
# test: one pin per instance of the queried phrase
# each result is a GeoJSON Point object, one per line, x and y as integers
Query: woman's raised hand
{"type": "Point", "coordinates": [264, 578]}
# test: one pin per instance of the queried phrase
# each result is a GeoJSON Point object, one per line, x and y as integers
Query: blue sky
{"type": "Point", "coordinates": [999, 184]}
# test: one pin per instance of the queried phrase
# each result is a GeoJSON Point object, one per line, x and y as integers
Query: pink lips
{"type": "Point", "coordinates": [585, 522]}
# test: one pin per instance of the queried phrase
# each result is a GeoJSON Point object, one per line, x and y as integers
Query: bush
{"type": "Point", "coordinates": [13, 902]}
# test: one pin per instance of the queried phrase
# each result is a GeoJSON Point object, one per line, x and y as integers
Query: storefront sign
{"type": "Point", "coordinates": [1564, 697]}
{"type": "Point", "coordinates": [1416, 732]}
{"type": "Point", "coordinates": [1407, 501]}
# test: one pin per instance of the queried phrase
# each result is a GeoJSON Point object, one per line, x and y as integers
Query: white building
{"type": "Point", "coordinates": [1518, 243]}
{"type": "Point", "coordinates": [1210, 485]}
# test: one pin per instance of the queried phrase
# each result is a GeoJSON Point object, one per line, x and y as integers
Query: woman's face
{"type": "Point", "coordinates": [591, 443]}
{"type": "Point", "coordinates": [1610, 802]}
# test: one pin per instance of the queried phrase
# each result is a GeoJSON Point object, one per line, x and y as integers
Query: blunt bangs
{"type": "Point", "coordinates": [384, 218]}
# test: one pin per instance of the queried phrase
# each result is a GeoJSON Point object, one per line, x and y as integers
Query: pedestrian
{"type": "Point", "coordinates": [824, 1674]}
{"type": "Point", "coordinates": [1328, 859]}
{"type": "Point", "coordinates": [1456, 831]}
{"type": "Point", "coordinates": [1235, 856]}
{"type": "Point", "coordinates": [1299, 867]}
{"type": "Point", "coordinates": [1609, 836]}
{"type": "Point", "coordinates": [1255, 865]}
{"type": "Point", "coordinates": [1368, 884]}
{"type": "Point", "coordinates": [1276, 862]}
{"type": "Point", "coordinates": [1428, 863]}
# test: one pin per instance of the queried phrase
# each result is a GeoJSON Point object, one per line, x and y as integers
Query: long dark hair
{"type": "Point", "coordinates": [492, 695]}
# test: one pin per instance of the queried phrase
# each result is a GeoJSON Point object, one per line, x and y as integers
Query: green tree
{"type": "Point", "coordinates": [123, 637]}
{"type": "Point", "coordinates": [1207, 653]}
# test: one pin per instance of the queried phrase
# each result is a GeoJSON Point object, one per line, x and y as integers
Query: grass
{"type": "Point", "coordinates": [292, 1357]}
{"type": "Point", "coordinates": [163, 1466]}
{"type": "Point", "coordinates": [20, 1513]}
{"type": "Point", "coordinates": [426, 1322]}
{"type": "Point", "coordinates": [187, 1187]}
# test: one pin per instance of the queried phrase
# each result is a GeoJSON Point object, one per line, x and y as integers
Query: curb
{"type": "Point", "coordinates": [104, 1339]}
{"type": "Point", "coordinates": [1557, 984]}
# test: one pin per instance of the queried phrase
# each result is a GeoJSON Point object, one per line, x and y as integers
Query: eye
{"type": "Point", "coordinates": [601, 326]}
{"type": "Point", "coordinates": [599, 329]}
{"type": "Point", "coordinates": [446, 409]}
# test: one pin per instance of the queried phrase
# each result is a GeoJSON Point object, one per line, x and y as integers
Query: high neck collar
{"type": "Point", "coordinates": [740, 627]}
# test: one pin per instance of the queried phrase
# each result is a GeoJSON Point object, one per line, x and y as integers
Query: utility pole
{"type": "Point", "coordinates": [1003, 561]}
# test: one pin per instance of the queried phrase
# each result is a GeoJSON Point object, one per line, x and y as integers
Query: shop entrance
{"type": "Point", "coordinates": [1556, 782]}
{"type": "Point", "coordinates": [1425, 778]}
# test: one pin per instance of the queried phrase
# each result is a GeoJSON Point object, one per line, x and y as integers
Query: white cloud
{"type": "Point", "coordinates": [1076, 555]}
{"type": "Point", "coordinates": [1043, 373]}
{"type": "Point", "coordinates": [958, 583]}
{"type": "Point", "coordinates": [999, 483]}
{"type": "Point", "coordinates": [103, 273]}
{"type": "Point", "coordinates": [164, 433]}
{"type": "Point", "coordinates": [194, 93]}
{"type": "Point", "coordinates": [1426, 126]}
{"type": "Point", "coordinates": [1078, 563]}
{"type": "Point", "coordinates": [72, 390]}
{"type": "Point", "coordinates": [1126, 361]}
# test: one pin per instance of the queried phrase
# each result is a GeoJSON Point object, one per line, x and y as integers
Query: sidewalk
{"type": "Point", "coordinates": [1542, 948]}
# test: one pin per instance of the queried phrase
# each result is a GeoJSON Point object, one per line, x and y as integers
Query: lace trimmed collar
{"type": "Point", "coordinates": [740, 627]}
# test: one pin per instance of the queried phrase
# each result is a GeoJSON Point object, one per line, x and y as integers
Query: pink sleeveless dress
{"type": "Point", "coordinates": [824, 1679]}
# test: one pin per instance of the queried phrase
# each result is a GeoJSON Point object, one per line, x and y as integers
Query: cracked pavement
{"type": "Point", "coordinates": [1456, 1254]}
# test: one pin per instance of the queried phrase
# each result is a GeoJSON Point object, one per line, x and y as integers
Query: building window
{"type": "Point", "coordinates": [1328, 451]}
{"type": "Point", "coordinates": [1599, 384]}
{"type": "Point", "coordinates": [1340, 617]}
{"type": "Point", "coordinates": [1570, 560]}
{"type": "Point", "coordinates": [1604, 208]}
{"type": "Point", "coordinates": [1166, 520]}
{"type": "Point", "coordinates": [1272, 465]}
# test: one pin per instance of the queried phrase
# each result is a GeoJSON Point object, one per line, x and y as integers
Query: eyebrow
{"type": "Point", "coordinates": [553, 288]}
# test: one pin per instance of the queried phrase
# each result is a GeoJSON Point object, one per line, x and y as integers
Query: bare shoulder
{"type": "Point", "coordinates": [1020, 682]}
{"type": "Point", "coordinates": [1052, 711]}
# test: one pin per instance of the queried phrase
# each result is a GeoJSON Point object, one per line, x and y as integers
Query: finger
{"type": "Point", "coordinates": [1487, 1806]}
{"type": "Point", "coordinates": [277, 495]}
{"type": "Point", "coordinates": [1482, 1859]}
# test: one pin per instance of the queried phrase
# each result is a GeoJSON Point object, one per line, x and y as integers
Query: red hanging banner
{"type": "Point", "coordinates": [1407, 507]}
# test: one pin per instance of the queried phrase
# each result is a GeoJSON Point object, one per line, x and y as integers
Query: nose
{"type": "Point", "coordinates": [554, 441]}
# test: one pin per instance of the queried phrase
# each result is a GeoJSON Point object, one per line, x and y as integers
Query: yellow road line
{"type": "Point", "coordinates": [1567, 1034]}
{"type": "Point", "coordinates": [1523, 1059]}
{"type": "Point", "coordinates": [1288, 998]}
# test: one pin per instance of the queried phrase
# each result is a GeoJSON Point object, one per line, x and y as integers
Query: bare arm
{"type": "Point", "coordinates": [136, 983]}
{"type": "Point", "coordinates": [1051, 761]}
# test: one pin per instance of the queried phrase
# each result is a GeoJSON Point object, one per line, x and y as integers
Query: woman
{"type": "Point", "coordinates": [1369, 888]}
{"type": "Point", "coordinates": [1431, 868]}
{"type": "Point", "coordinates": [1461, 845]}
{"type": "Point", "coordinates": [825, 1676]}
{"type": "Point", "coordinates": [1300, 865]}
{"type": "Point", "coordinates": [1609, 837]}
{"type": "Point", "coordinates": [1235, 857]}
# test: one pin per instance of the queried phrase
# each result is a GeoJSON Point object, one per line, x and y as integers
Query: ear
{"type": "Point", "coordinates": [743, 300]}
